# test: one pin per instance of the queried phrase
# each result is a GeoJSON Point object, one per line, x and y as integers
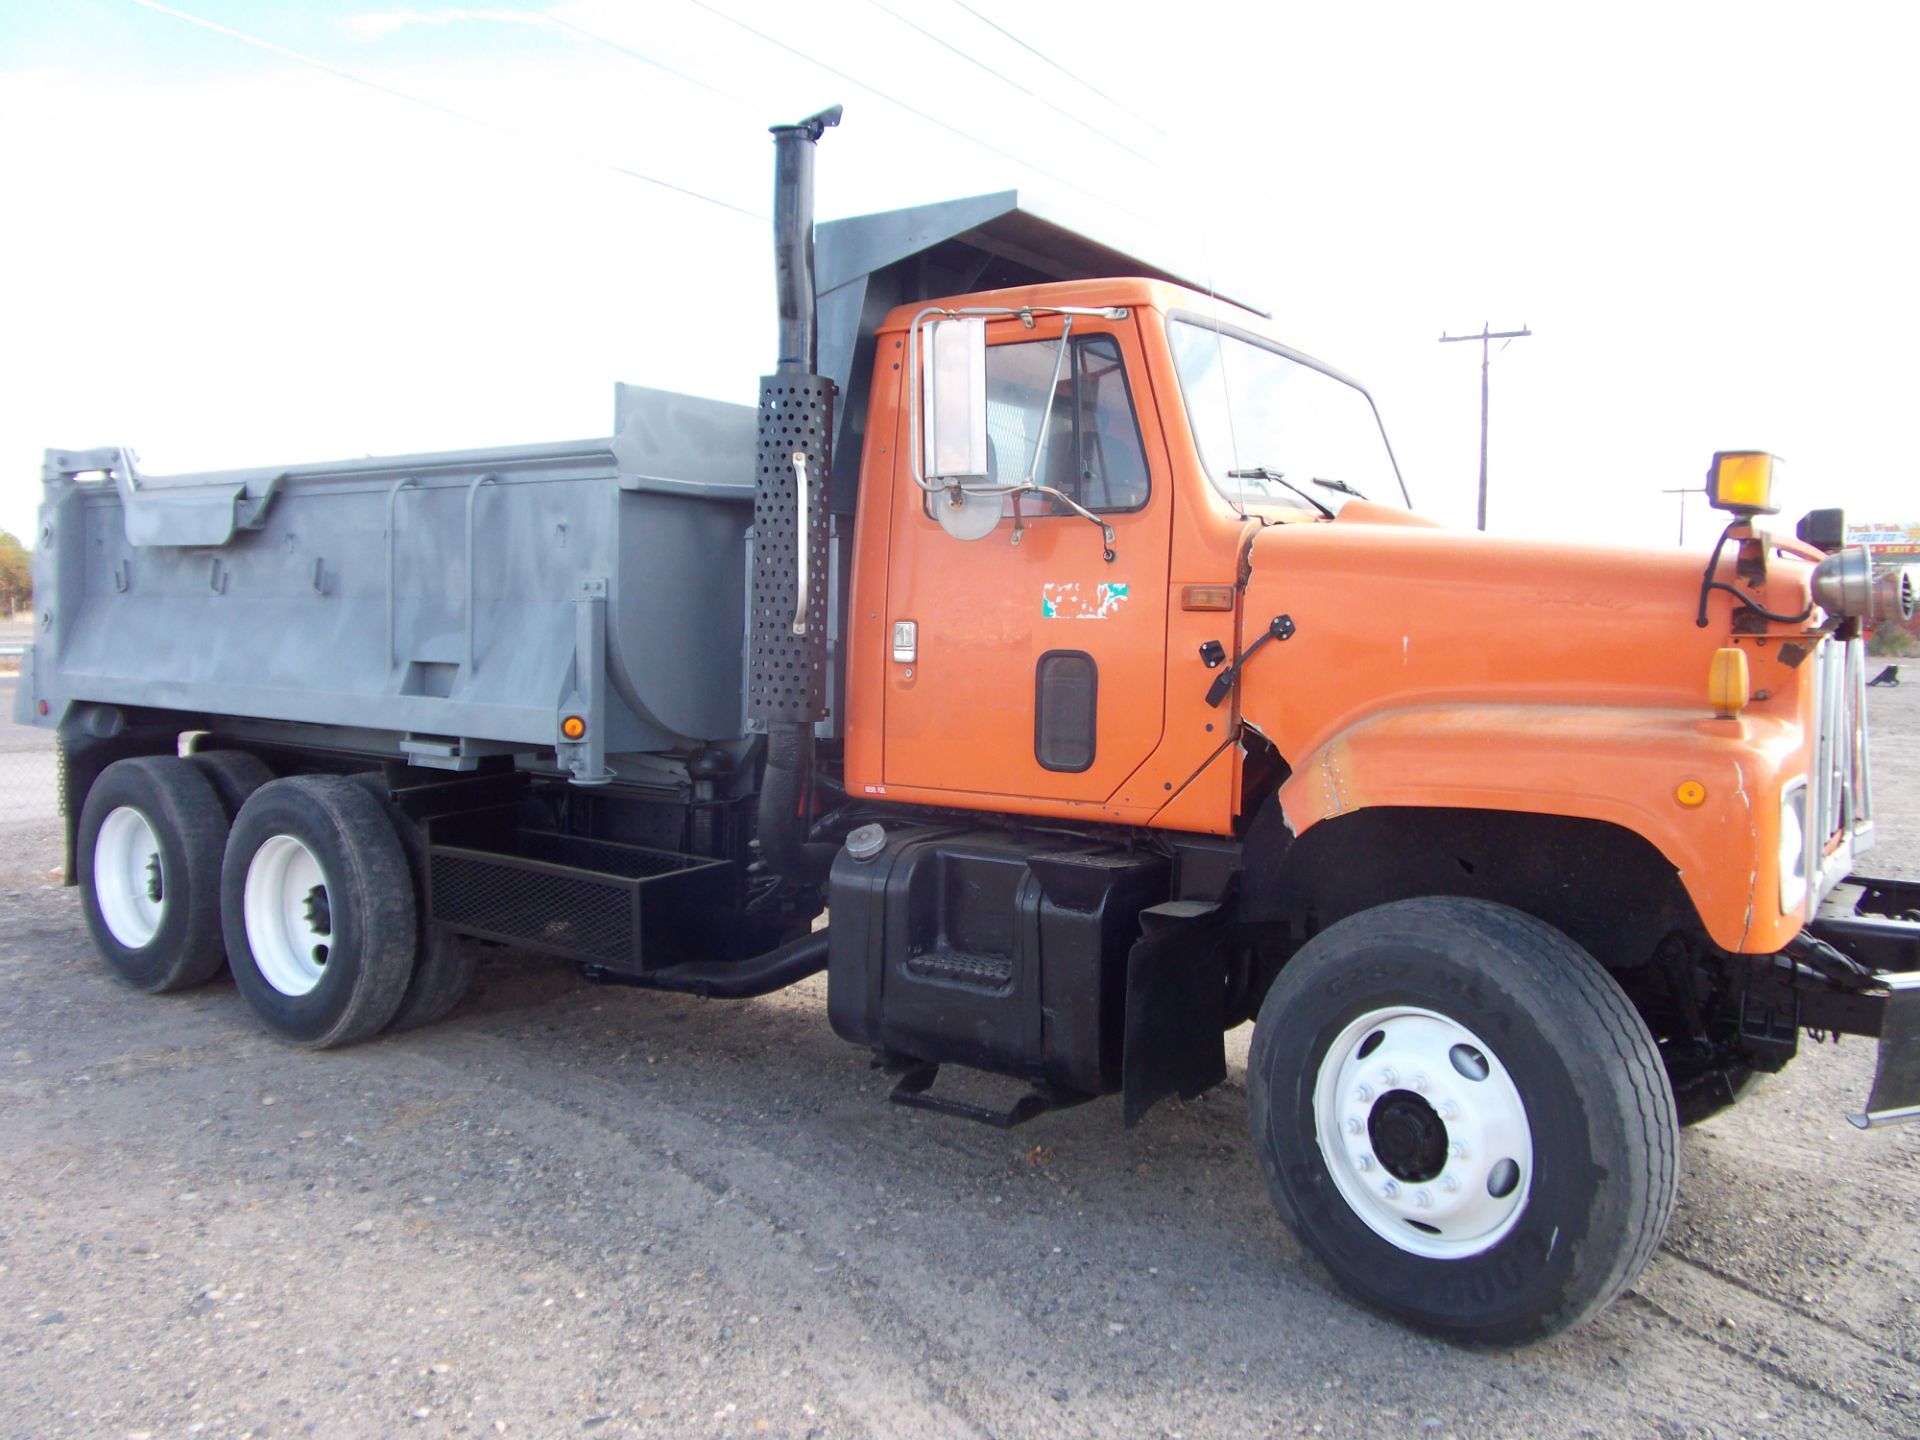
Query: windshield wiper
{"type": "Point", "coordinates": [1261, 472]}
{"type": "Point", "coordinates": [1342, 486]}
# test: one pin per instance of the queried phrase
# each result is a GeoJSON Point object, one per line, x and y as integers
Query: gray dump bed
{"type": "Point", "coordinates": [454, 604]}
{"type": "Point", "coordinates": [437, 595]}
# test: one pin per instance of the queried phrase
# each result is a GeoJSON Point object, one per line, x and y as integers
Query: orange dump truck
{"type": "Point", "coordinates": [1071, 644]}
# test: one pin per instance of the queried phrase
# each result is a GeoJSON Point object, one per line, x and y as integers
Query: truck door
{"type": "Point", "coordinates": [1037, 668]}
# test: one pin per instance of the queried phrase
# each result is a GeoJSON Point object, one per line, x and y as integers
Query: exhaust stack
{"type": "Point", "coordinates": [793, 238]}
{"type": "Point", "coordinates": [787, 668]}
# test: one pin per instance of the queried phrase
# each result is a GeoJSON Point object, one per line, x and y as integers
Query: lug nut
{"type": "Point", "coordinates": [1420, 1083]}
{"type": "Point", "coordinates": [1362, 1093]}
{"type": "Point", "coordinates": [1450, 1183]}
{"type": "Point", "coordinates": [1354, 1127]}
{"type": "Point", "coordinates": [1423, 1199]}
{"type": "Point", "coordinates": [1458, 1149]}
{"type": "Point", "coordinates": [1389, 1190]}
{"type": "Point", "coordinates": [1449, 1110]}
{"type": "Point", "coordinates": [1365, 1162]}
{"type": "Point", "coordinates": [1388, 1079]}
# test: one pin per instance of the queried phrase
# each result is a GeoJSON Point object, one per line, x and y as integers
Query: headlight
{"type": "Point", "coordinates": [1793, 847]}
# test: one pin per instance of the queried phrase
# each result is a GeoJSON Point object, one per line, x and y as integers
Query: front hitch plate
{"type": "Point", "coordinates": [1896, 1079]}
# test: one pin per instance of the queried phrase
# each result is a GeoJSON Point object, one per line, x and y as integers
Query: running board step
{"type": "Point", "coordinates": [917, 1079]}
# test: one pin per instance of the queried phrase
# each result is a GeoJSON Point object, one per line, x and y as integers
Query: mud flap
{"type": "Point", "coordinates": [1176, 1007]}
{"type": "Point", "coordinates": [1896, 1078]}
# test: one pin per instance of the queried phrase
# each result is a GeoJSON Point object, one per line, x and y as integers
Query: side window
{"type": "Point", "coordinates": [1109, 463]}
{"type": "Point", "coordinates": [1093, 450]}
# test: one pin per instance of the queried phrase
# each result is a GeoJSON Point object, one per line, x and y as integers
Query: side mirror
{"type": "Point", "coordinates": [953, 400]}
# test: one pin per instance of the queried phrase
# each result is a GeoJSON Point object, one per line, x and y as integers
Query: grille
{"type": "Point", "coordinates": [1840, 812]}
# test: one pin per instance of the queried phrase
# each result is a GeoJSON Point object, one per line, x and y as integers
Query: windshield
{"type": "Point", "coordinates": [1275, 432]}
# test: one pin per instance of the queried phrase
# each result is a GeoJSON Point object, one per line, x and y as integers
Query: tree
{"type": "Point", "coordinates": [16, 574]}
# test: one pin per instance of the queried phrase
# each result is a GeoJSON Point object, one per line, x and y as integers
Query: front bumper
{"type": "Point", "coordinates": [1875, 924]}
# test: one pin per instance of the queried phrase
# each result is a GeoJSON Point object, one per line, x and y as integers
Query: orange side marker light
{"type": "Point", "coordinates": [1206, 597]}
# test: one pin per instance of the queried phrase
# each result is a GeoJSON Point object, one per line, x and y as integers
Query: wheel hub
{"type": "Point", "coordinates": [129, 881]}
{"type": "Point", "coordinates": [288, 915]}
{"type": "Point", "coordinates": [1408, 1136]}
{"type": "Point", "coordinates": [1424, 1132]}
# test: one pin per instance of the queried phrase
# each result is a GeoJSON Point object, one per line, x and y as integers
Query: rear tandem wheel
{"type": "Point", "coordinates": [318, 908]}
{"type": "Point", "coordinates": [147, 858]}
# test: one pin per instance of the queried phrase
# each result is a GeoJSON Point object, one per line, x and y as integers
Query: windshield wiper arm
{"type": "Point", "coordinates": [1261, 472]}
{"type": "Point", "coordinates": [1342, 486]}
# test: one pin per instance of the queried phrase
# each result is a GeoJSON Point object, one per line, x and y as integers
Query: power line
{"type": "Point", "coordinates": [915, 110]}
{"type": "Point", "coordinates": [1484, 337]}
{"type": "Point", "coordinates": [1086, 84]}
{"type": "Point", "coordinates": [434, 105]}
{"type": "Point", "coordinates": [971, 59]}
{"type": "Point", "coordinates": [584, 33]}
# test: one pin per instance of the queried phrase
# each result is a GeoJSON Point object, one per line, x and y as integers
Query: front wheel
{"type": "Point", "coordinates": [1459, 1112]}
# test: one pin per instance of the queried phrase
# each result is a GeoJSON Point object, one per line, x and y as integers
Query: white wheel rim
{"type": "Point", "coordinates": [129, 878]}
{"type": "Point", "coordinates": [288, 915]}
{"type": "Point", "coordinates": [1424, 1133]}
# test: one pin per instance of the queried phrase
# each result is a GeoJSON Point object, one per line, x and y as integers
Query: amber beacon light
{"type": "Point", "coordinates": [1741, 481]}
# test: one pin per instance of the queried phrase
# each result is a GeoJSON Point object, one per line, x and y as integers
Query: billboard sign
{"type": "Point", "coordinates": [1893, 544]}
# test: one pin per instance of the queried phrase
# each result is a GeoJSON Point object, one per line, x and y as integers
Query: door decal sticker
{"type": "Point", "coordinates": [1071, 600]}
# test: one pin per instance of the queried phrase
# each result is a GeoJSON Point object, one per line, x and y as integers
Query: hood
{"type": "Point", "coordinates": [1400, 615]}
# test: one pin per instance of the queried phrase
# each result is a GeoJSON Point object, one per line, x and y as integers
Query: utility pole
{"type": "Point", "coordinates": [1683, 493]}
{"type": "Point", "coordinates": [1485, 337]}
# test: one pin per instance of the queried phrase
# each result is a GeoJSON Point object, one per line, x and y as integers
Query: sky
{"type": "Point", "coordinates": [374, 227]}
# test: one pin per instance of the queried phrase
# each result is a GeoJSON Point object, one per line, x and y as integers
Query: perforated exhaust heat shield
{"type": "Point", "coordinates": [787, 667]}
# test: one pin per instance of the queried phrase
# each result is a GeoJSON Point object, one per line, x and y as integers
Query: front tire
{"type": "Point", "coordinates": [1459, 1112]}
{"type": "Point", "coordinates": [317, 906]}
{"type": "Point", "coordinates": [147, 858]}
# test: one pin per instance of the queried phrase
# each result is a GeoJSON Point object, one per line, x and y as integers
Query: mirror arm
{"type": "Point", "coordinates": [1106, 530]}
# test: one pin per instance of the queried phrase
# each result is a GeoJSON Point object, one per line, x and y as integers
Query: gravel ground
{"type": "Point", "coordinates": [577, 1211]}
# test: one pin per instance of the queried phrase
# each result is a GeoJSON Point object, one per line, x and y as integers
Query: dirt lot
{"type": "Point", "coordinates": [577, 1211]}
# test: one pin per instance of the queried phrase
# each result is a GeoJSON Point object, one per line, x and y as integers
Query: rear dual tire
{"type": "Point", "coordinates": [147, 858]}
{"type": "Point", "coordinates": [444, 963]}
{"type": "Point", "coordinates": [317, 905]}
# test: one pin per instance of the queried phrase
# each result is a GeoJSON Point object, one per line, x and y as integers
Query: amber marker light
{"type": "Point", "coordinates": [1742, 481]}
{"type": "Point", "coordinates": [1690, 793]}
{"type": "Point", "coordinates": [1206, 597]}
{"type": "Point", "coordinates": [1727, 685]}
{"type": "Point", "coordinates": [573, 727]}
